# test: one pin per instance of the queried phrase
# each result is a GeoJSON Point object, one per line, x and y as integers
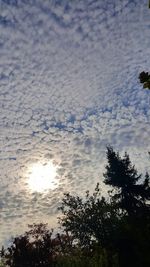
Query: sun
{"type": "Point", "coordinates": [42, 177]}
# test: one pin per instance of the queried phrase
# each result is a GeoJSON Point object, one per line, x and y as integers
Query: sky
{"type": "Point", "coordinates": [68, 88]}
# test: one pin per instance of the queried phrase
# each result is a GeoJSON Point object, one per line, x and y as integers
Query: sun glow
{"type": "Point", "coordinates": [42, 177]}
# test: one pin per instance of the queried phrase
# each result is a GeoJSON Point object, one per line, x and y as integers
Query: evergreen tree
{"type": "Point", "coordinates": [131, 196]}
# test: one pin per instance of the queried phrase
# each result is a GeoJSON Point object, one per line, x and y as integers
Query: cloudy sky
{"type": "Point", "coordinates": [68, 88]}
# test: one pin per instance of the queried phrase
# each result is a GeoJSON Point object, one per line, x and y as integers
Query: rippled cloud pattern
{"type": "Point", "coordinates": [68, 88]}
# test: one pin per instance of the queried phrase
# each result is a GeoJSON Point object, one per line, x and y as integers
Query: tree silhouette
{"type": "Point", "coordinates": [37, 248]}
{"type": "Point", "coordinates": [34, 248]}
{"type": "Point", "coordinates": [131, 196]}
{"type": "Point", "coordinates": [121, 226]}
{"type": "Point", "coordinates": [92, 222]}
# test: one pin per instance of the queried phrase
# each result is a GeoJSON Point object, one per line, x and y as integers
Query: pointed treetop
{"type": "Point", "coordinates": [119, 171]}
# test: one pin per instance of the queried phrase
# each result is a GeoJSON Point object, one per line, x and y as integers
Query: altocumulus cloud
{"type": "Point", "coordinates": [68, 87]}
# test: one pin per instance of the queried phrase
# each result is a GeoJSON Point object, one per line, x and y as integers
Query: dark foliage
{"type": "Point", "coordinates": [145, 79]}
{"type": "Point", "coordinates": [90, 221]}
{"type": "Point", "coordinates": [121, 226]}
{"type": "Point", "coordinates": [34, 248]}
{"type": "Point", "coordinates": [131, 196]}
{"type": "Point", "coordinates": [132, 191]}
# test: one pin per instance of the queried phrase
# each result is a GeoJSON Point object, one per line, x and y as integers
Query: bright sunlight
{"type": "Point", "coordinates": [42, 177]}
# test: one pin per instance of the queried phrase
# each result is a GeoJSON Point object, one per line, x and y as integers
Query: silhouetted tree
{"type": "Point", "coordinates": [145, 79]}
{"type": "Point", "coordinates": [91, 221]}
{"type": "Point", "coordinates": [37, 248]}
{"type": "Point", "coordinates": [120, 225]}
{"type": "Point", "coordinates": [131, 196]}
{"type": "Point", "coordinates": [34, 248]}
